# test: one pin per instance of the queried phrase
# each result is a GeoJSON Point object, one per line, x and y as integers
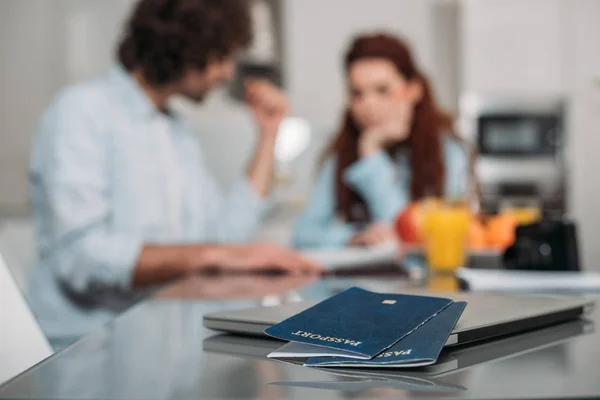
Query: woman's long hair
{"type": "Point", "coordinates": [424, 141]}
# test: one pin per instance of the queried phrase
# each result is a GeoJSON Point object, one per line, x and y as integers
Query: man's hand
{"type": "Point", "coordinates": [374, 235]}
{"type": "Point", "coordinates": [263, 258]}
{"type": "Point", "coordinates": [268, 104]}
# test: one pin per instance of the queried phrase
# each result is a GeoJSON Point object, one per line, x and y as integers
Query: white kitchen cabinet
{"type": "Point", "coordinates": [512, 46]}
{"type": "Point", "coordinates": [582, 59]}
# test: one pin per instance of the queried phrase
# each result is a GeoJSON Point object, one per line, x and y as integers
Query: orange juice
{"type": "Point", "coordinates": [445, 234]}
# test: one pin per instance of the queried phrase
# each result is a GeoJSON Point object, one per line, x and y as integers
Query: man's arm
{"type": "Point", "coordinates": [269, 107]}
{"type": "Point", "coordinates": [260, 171]}
{"type": "Point", "coordinates": [71, 169]}
{"type": "Point", "coordinates": [237, 216]}
{"type": "Point", "coordinates": [158, 264]}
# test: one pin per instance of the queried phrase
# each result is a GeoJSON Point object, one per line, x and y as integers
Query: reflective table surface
{"type": "Point", "coordinates": [160, 350]}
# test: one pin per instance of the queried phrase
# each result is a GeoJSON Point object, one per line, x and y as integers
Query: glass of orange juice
{"type": "Point", "coordinates": [445, 236]}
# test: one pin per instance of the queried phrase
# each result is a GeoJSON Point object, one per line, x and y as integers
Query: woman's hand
{"type": "Point", "coordinates": [374, 235]}
{"type": "Point", "coordinates": [394, 129]}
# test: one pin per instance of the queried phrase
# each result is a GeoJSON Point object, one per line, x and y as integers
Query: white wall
{"type": "Point", "coordinates": [91, 33]}
{"type": "Point", "coordinates": [446, 22]}
{"type": "Point", "coordinates": [30, 73]}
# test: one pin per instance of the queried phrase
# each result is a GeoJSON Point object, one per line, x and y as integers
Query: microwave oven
{"type": "Point", "coordinates": [522, 134]}
{"type": "Point", "coordinates": [522, 150]}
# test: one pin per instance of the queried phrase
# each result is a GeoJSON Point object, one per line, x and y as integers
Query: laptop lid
{"type": "Point", "coordinates": [22, 342]}
{"type": "Point", "coordinates": [487, 315]}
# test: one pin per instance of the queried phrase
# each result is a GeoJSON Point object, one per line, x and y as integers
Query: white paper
{"type": "Point", "coordinates": [354, 256]}
{"type": "Point", "coordinates": [503, 280]}
{"type": "Point", "coordinates": [303, 350]}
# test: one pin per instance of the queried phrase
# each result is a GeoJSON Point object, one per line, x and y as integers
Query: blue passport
{"type": "Point", "coordinates": [421, 347]}
{"type": "Point", "coordinates": [355, 323]}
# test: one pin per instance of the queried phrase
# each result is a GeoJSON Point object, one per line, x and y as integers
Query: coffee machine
{"type": "Point", "coordinates": [522, 150]}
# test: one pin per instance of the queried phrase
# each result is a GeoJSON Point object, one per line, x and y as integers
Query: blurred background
{"type": "Point", "coordinates": [521, 76]}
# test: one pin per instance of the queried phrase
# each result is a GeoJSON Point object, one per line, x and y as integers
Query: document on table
{"type": "Point", "coordinates": [511, 280]}
{"type": "Point", "coordinates": [355, 256]}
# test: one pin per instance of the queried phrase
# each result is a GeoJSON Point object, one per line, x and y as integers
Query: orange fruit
{"type": "Point", "coordinates": [477, 237]}
{"type": "Point", "coordinates": [524, 216]}
{"type": "Point", "coordinates": [500, 232]}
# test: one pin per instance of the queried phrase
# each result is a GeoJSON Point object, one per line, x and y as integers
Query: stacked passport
{"type": "Point", "coordinates": [358, 328]}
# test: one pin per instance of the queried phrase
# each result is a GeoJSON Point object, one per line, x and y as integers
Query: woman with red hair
{"type": "Point", "coordinates": [395, 146]}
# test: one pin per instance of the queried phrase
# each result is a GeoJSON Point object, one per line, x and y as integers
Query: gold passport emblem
{"type": "Point", "coordinates": [389, 302]}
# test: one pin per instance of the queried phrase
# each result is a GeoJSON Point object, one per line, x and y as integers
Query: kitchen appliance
{"type": "Point", "coordinates": [521, 146]}
{"type": "Point", "coordinates": [546, 246]}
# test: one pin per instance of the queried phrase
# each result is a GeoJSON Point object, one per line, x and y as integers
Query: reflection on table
{"type": "Point", "coordinates": [160, 349]}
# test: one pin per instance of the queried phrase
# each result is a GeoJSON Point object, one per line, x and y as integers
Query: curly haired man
{"type": "Point", "coordinates": [121, 194]}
